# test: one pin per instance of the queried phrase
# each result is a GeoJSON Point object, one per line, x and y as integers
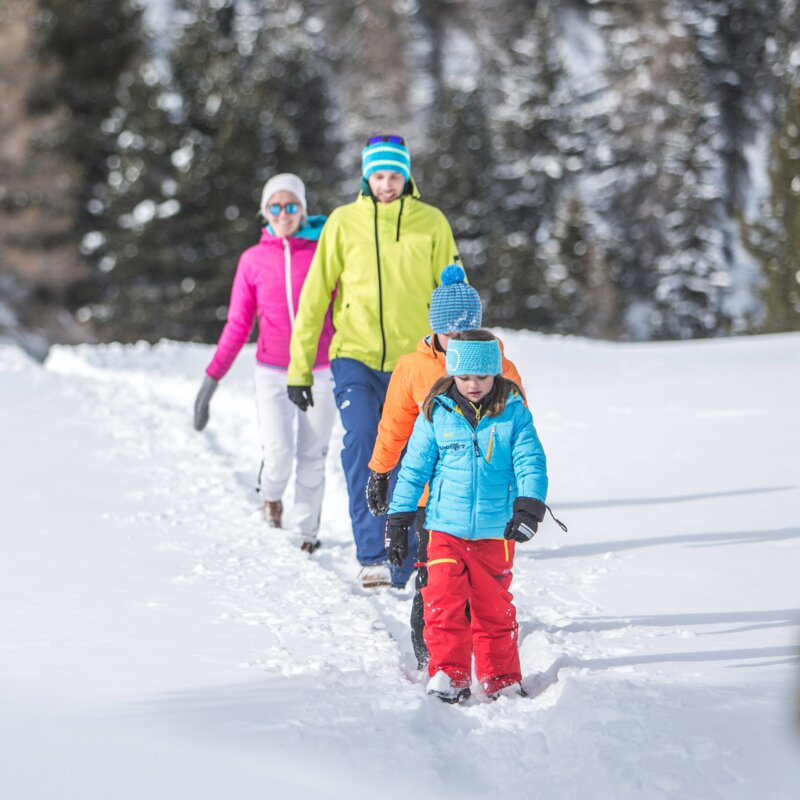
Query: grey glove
{"type": "Point", "coordinates": [202, 400]}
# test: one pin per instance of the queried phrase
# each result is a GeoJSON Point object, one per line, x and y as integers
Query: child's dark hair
{"type": "Point", "coordinates": [443, 384]}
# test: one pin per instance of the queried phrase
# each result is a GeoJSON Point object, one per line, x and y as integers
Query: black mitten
{"type": "Point", "coordinates": [300, 396]}
{"type": "Point", "coordinates": [378, 493]}
{"type": "Point", "coordinates": [396, 536]}
{"type": "Point", "coordinates": [528, 513]}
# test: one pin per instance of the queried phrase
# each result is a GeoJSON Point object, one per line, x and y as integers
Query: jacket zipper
{"type": "Point", "coordinates": [475, 472]}
{"type": "Point", "coordinates": [380, 288]}
{"type": "Point", "coordinates": [475, 484]}
{"type": "Point", "coordinates": [287, 275]}
{"type": "Point", "coordinates": [491, 444]}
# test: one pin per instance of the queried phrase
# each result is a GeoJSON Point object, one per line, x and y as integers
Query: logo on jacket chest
{"type": "Point", "coordinates": [454, 446]}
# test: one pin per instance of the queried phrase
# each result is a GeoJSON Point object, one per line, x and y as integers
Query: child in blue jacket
{"type": "Point", "coordinates": [476, 444]}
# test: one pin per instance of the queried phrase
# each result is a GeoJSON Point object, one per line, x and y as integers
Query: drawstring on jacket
{"type": "Point", "coordinates": [399, 217]}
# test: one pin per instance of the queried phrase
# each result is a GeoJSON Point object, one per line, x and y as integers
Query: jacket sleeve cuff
{"type": "Point", "coordinates": [536, 508]}
{"type": "Point", "coordinates": [402, 517]}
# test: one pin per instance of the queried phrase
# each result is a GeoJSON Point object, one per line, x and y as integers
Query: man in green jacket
{"type": "Point", "coordinates": [382, 256]}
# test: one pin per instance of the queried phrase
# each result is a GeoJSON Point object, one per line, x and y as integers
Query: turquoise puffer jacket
{"type": "Point", "coordinates": [475, 475]}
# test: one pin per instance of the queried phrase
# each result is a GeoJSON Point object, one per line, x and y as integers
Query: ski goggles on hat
{"type": "Point", "coordinates": [289, 208]}
{"type": "Point", "coordinates": [390, 139]}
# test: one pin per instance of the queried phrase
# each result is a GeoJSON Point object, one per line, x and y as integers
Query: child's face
{"type": "Point", "coordinates": [474, 387]}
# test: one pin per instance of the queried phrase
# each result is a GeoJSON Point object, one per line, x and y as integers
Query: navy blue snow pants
{"type": "Point", "coordinates": [360, 392]}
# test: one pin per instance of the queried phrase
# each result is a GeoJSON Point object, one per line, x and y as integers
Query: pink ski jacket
{"type": "Point", "coordinates": [268, 281]}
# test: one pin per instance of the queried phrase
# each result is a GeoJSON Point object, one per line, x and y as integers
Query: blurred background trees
{"type": "Point", "coordinates": [610, 169]}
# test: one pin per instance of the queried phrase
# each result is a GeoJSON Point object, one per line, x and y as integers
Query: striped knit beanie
{"type": "Point", "coordinates": [455, 305]}
{"type": "Point", "coordinates": [386, 156]}
{"type": "Point", "coordinates": [473, 358]}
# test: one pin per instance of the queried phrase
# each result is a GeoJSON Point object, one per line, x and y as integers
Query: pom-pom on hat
{"type": "Point", "coordinates": [473, 358]}
{"type": "Point", "coordinates": [455, 305]}
{"type": "Point", "coordinates": [284, 182]}
{"type": "Point", "coordinates": [386, 154]}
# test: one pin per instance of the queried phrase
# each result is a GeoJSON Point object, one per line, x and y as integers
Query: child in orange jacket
{"type": "Point", "coordinates": [455, 306]}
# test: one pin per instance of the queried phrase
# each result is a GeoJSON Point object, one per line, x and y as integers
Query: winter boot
{"type": "Point", "coordinates": [310, 545]}
{"type": "Point", "coordinates": [273, 512]}
{"type": "Point", "coordinates": [441, 686]}
{"type": "Point", "coordinates": [514, 690]}
{"type": "Point", "coordinates": [375, 576]}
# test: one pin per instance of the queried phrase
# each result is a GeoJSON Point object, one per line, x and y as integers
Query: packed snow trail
{"type": "Point", "coordinates": [658, 637]}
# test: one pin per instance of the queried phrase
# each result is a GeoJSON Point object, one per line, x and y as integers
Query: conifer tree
{"type": "Point", "coordinates": [241, 98]}
{"type": "Point", "coordinates": [775, 239]}
{"type": "Point", "coordinates": [71, 57]}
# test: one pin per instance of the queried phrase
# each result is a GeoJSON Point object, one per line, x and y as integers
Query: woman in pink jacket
{"type": "Point", "coordinates": [267, 283]}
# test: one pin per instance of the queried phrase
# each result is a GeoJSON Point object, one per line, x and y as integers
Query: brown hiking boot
{"type": "Point", "coordinates": [273, 511]}
{"type": "Point", "coordinates": [375, 576]}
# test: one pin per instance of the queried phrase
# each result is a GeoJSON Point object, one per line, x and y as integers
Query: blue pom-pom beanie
{"type": "Point", "coordinates": [386, 157]}
{"type": "Point", "coordinates": [455, 305]}
{"type": "Point", "coordinates": [473, 358]}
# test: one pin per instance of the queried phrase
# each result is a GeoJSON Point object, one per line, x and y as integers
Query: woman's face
{"type": "Point", "coordinates": [284, 223]}
{"type": "Point", "coordinates": [386, 186]}
{"type": "Point", "coordinates": [474, 387]}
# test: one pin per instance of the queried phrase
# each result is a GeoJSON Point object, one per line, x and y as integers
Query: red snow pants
{"type": "Point", "coordinates": [478, 570]}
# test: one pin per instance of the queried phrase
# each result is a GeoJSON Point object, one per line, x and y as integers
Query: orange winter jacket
{"type": "Point", "coordinates": [410, 383]}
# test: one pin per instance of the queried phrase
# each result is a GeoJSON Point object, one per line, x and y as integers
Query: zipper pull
{"type": "Point", "coordinates": [475, 445]}
{"type": "Point", "coordinates": [491, 444]}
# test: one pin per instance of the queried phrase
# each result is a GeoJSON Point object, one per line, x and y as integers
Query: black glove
{"type": "Point", "coordinates": [202, 400]}
{"type": "Point", "coordinates": [300, 396]}
{"type": "Point", "coordinates": [378, 493]}
{"type": "Point", "coordinates": [528, 513]}
{"type": "Point", "coordinates": [396, 536]}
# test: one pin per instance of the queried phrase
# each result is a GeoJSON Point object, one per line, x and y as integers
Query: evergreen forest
{"type": "Point", "coordinates": [611, 169]}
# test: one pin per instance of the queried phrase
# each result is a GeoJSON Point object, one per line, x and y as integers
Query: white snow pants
{"type": "Point", "coordinates": [287, 435]}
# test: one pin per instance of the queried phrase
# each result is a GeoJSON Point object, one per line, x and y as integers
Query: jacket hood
{"type": "Point", "coordinates": [310, 228]}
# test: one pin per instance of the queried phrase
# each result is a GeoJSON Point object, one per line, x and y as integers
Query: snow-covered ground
{"type": "Point", "coordinates": [157, 640]}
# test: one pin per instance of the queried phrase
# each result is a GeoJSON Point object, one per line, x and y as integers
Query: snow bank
{"type": "Point", "coordinates": [151, 625]}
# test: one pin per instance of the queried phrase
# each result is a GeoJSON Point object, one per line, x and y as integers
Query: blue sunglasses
{"type": "Point", "coordinates": [390, 139]}
{"type": "Point", "coordinates": [276, 208]}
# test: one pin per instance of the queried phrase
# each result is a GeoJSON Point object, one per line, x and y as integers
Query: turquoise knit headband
{"type": "Point", "coordinates": [473, 357]}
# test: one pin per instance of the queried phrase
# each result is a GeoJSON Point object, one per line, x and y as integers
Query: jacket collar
{"type": "Point", "coordinates": [448, 403]}
{"type": "Point", "coordinates": [366, 200]}
{"type": "Point", "coordinates": [310, 228]}
{"type": "Point", "coordinates": [472, 413]}
{"type": "Point", "coordinates": [427, 347]}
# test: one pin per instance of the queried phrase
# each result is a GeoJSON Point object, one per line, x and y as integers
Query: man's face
{"type": "Point", "coordinates": [386, 186]}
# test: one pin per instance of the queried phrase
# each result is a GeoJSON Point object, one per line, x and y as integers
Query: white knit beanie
{"type": "Point", "coordinates": [285, 182]}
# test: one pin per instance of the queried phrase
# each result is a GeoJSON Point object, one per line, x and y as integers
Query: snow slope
{"type": "Point", "coordinates": [156, 639]}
